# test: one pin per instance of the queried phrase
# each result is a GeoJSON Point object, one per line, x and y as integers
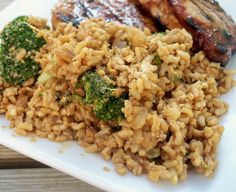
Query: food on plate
{"type": "Point", "coordinates": [123, 11]}
{"type": "Point", "coordinates": [142, 100]}
{"type": "Point", "coordinates": [213, 31]}
{"type": "Point", "coordinates": [19, 44]}
{"type": "Point", "coordinates": [107, 100]}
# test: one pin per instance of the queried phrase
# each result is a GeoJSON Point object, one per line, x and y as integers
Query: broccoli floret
{"type": "Point", "coordinates": [18, 36]}
{"type": "Point", "coordinates": [176, 78]}
{"type": "Point", "coordinates": [95, 87]}
{"type": "Point", "coordinates": [68, 98]}
{"type": "Point", "coordinates": [17, 72]}
{"type": "Point", "coordinates": [110, 108]}
{"type": "Point", "coordinates": [100, 95]}
{"type": "Point", "coordinates": [157, 60]}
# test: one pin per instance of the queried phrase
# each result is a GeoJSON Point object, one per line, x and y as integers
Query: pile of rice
{"type": "Point", "coordinates": [172, 115]}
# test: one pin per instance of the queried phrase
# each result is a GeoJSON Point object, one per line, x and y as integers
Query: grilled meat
{"type": "Point", "coordinates": [124, 11]}
{"type": "Point", "coordinates": [212, 29]}
{"type": "Point", "coordinates": [160, 9]}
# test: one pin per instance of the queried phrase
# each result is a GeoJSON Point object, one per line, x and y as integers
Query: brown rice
{"type": "Point", "coordinates": [172, 115]}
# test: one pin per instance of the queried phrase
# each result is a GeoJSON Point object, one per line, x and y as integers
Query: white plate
{"type": "Point", "coordinates": [71, 158]}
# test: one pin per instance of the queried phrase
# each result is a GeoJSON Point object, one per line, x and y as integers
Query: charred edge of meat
{"type": "Point", "coordinates": [127, 12]}
{"type": "Point", "coordinates": [227, 35]}
{"type": "Point", "coordinates": [220, 46]}
{"type": "Point", "coordinates": [216, 51]}
{"type": "Point", "coordinates": [146, 13]}
{"type": "Point", "coordinates": [217, 43]}
{"type": "Point", "coordinates": [66, 14]}
{"type": "Point", "coordinates": [68, 19]}
{"type": "Point", "coordinates": [192, 24]}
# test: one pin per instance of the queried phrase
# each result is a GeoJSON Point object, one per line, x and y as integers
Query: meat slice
{"type": "Point", "coordinates": [124, 11]}
{"type": "Point", "coordinates": [161, 10]}
{"type": "Point", "coordinates": [212, 29]}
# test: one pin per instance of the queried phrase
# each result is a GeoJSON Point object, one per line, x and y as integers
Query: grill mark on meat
{"type": "Point", "coordinates": [206, 10]}
{"type": "Point", "coordinates": [227, 35]}
{"type": "Point", "coordinates": [161, 11]}
{"type": "Point", "coordinates": [206, 15]}
{"type": "Point", "coordinates": [212, 29]}
{"type": "Point", "coordinates": [122, 11]}
{"type": "Point", "coordinates": [210, 36]}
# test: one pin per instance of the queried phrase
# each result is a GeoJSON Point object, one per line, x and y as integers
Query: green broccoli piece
{"type": "Point", "coordinates": [176, 78]}
{"type": "Point", "coordinates": [95, 87]}
{"type": "Point", "coordinates": [157, 60]}
{"type": "Point", "coordinates": [68, 98]}
{"type": "Point", "coordinates": [161, 33]}
{"type": "Point", "coordinates": [17, 72]}
{"type": "Point", "coordinates": [100, 95]}
{"type": "Point", "coordinates": [110, 108]}
{"type": "Point", "coordinates": [19, 35]}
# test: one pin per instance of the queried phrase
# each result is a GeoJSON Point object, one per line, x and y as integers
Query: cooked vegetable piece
{"type": "Point", "coordinates": [95, 87]}
{"type": "Point", "coordinates": [100, 95]}
{"type": "Point", "coordinates": [18, 46]}
{"type": "Point", "coordinates": [157, 60]}
{"type": "Point", "coordinates": [153, 153]}
{"type": "Point", "coordinates": [109, 109]}
{"type": "Point", "coordinates": [20, 34]}
{"type": "Point", "coordinates": [17, 72]}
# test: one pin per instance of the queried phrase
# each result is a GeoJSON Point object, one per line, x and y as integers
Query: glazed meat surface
{"type": "Point", "coordinates": [123, 11]}
{"type": "Point", "coordinates": [212, 29]}
{"type": "Point", "coordinates": [160, 9]}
